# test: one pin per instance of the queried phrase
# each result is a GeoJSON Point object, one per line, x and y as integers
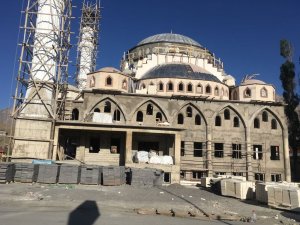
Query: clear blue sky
{"type": "Point", "coordinates": [245, 34]}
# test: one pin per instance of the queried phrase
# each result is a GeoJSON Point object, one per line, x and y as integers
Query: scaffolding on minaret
{"type": "Point", "coordinates": [41, 81]}
{"type": "Point", "coordinates": [88, 41]}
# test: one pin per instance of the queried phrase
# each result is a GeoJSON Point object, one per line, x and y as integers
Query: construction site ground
{"type": "Point", "coordinates": [86, 205]}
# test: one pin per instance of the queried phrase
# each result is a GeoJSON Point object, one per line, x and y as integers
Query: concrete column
{"type": "Point", "coordinates": [209, 153]}
{"type": "Point", "coordinates": [177, 153]}
{"type": "Point", "coordinates": [287, 166]}
{"type": "Point", "coordinates": [250, 175]}
{"type": "Point", "coordinates": [55, 143]}
{"type": "Point", "coordinates": [128, 150]}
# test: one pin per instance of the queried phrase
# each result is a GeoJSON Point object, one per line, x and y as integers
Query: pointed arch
{"type": "Point", "coordinates": [112, 100]}
{"type": "Point", "coordinates": [174, 115]}
{"type": "Point", "coordinates": [247, 93]}
{"type": "Point", "coordinates": [283, 126]}
{"type": "Point", "coordinates": [154, 104]}
{"type": "Point", "coordinates": [208, 89]}
{"type": "Point", "coordinates": [264, 92]}
{"type": "Point", "coordinates": [161, 86]}
{"type": "Point", "coordinates": [180, 119]}
{"type": "Point", "coordinates": [190, 87]}
{"type": "Point", "coordinates": [75, 114]}
{"type": "Point", "coordinates": [180, 86]}
{"type": "Point", "coordinates": [170, 86]}
{"type": "Point", "coordinates": [108, 81]}
{"type": "Point", "coordinates": [199, 88]}
{"type": "Point", "coordinates": [231, 107]}
{"type": "Point", "coordinates": [216, 92]}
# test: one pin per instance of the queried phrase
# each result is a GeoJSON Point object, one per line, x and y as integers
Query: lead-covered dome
{"type": "Point", "coordinates": [169, 38]}
{"type": "Point", "coordinates": [179, 70]}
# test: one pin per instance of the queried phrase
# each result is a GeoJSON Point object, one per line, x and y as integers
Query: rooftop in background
{"type": "Point", "coordinates": [169, 38]}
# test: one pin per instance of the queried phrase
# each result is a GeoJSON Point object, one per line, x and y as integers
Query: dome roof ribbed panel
{"type": "Point", "coordinates": [183, 71]}
{"type": "Point", "coordinates": [171, 38]}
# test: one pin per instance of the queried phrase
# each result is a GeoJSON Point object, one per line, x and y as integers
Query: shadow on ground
{"type": "Point", "coordinates": [86, 213]}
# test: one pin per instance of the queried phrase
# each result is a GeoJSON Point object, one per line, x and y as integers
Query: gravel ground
{"type": "Point", "coordinates": [128, 198]}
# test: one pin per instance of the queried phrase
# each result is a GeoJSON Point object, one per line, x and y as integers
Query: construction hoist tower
{"type": "Point", "coordinates": [88, 41]}
{"type": "Point", "coordinates": [42, 76]}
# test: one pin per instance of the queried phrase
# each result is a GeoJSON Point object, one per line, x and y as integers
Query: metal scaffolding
{"type": "Point", "coordinates": [88, 41]}
{"type": "Point", "coordinates": [44, 58]}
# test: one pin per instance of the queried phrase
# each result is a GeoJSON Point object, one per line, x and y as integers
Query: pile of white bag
{"type": "Point", "coordinates": [152, 158]}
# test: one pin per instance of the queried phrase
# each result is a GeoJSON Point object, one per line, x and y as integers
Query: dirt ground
{"type": "Point", "coordinates": [131, 199]}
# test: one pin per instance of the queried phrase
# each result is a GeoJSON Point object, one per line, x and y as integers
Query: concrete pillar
{"type": "Point", "coordinates": [128, 150]}
{"type": "Point", "coordinates": [286, 155]}
{"type": "Point", "coordinates": [250, 175]}
{"type": "Point", "coordinates": [55, 143]}
{"type": "Point", "coordinates": [177, 146]}
{"type": "Point", "coordinates": [209, 153]}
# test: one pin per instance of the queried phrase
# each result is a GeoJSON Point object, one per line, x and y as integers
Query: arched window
{"type": "Point", "coordinates": [236, 122]}
{"type": "Point", "coordinates": [247, 93]}
{"type": "Point", "coordinates": [226, 114]}
{"type": "Point", "coordinates": [124, 84]}
{"type": "Point", "coordinates": [199, 89]}
{"type": "Point", "coordinates": [92, 82]}
{"type": "Point", "coordinates": [208, 89]}
{"type": "Point", "coordinates": [256, 123]}
{"type": "Point", "coordinates": [161, 86]}
{"type": "Point", "coordinates": [139, 116]}
{"type": "Point", "coordinates": [180, 87]}
{"type": "Point", "coordinates": [151, 83]}
{"type": "Point", "coordinates": [189, 111]}
{"type": "Point", "coordinates": [107, 107]}
{"type": "Point", "coordinates": [143, 86]}
{"type": "Point", "coordinates": [216, 91]}
{"type": "Point", "coordinates": [117, 115]}
{"type": "Point", "coordinates": [190, 87]}
{"type": "Point", "coordinates": [97, 110]}
{"type": "Point", "coordinates": [149, 109]}
{"type": "Point", "coordinates": [218, 121]}
{"type": "Point", "coordinates": [197, 119]}
{"type": "Point", "coordinates": [265, 116]}
{"type": "Point", "coordinates": [273, 124]}
{"type": "Point", "coordinates": [180, 119]}
{"type": "Point", "coordinates": [158, 117]}
{"type": "Point", "coordinates": [235, 96]}
{"type": "Point", "coordinates": [109, 81]}
{"type": "Point", "coordinates": [170, 86]}
{"type": "Point", "coordinates": [75, 114]}
{"type": "Point", "coordinates": [263, 92]}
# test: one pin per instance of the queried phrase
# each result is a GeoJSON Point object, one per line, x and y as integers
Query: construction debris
{"type": "Point", "coordinates": [6, 172]}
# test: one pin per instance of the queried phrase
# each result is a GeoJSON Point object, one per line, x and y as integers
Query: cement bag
{"type": "Point", "coordinates": [141, 157]}
{"type": "Point", "coordinates": [167, 160]}
{"type": "Point", "coordinates": [155, 160]}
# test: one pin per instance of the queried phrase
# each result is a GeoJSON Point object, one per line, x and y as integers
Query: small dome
{"type": "Point", "coordinates": [109, 70]}
{"type": "Point", "coordinates": [170, 38]}
{"type": "Point", "coordinates": [252, 81]}
{"type": "Point", "coordinates": [179, 70]}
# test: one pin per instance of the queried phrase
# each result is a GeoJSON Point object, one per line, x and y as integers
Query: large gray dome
{"type": "Point", "coordinates": [179, 70]}
{"type": "Point", "coordinates": [170, 38]}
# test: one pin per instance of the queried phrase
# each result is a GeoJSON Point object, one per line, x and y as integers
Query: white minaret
{"type": "Point", "coordinates": [44, 60]}
{"type": "Point", "coordinates": [88, 42]}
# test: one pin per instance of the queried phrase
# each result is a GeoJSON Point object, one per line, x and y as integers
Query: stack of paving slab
{"type": "Point", "coordinates": [90, 174]}
{"type": "Point", "coordinates": [69, 174]}
{"type": "Point", "coordinates": [207, 181]}
{"type": "Point", "coordinates": [26, 172]}
{"type": "Point", "coordinates": [113, 175]}
{"type": "Point", "coordinates": [48, 173]}
{"type": "Point", "coordinates": [146, 177]}
{"type": "Point", "coordinates": [7, 171]}
{"type": "Point", "coordinates": [237, 188]}
{"type": "Point", "coordinates": [284, 196]}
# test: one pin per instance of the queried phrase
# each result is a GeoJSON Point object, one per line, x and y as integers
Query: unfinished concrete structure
{"type": "Point", "coordinates": [171, 96]}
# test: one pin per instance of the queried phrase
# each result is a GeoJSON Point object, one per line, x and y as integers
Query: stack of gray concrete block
{"type": "Point", "coordinates": [237, 188]}
{"type": "Point", "coordinates": [26, 172]}
{"type": "Point", "coordinates": [90, 174]}
{"type": "Point", "coordinates": [48, 173]}
{"type": "Point", "coordinates": [113, 175]}
{"type": "Point", "coordinates": [284, 196]}
{"type": "Point", "coordinates": [7, 171]}
{"type": "Point", "coordinates": [146, 177]}
{"type": "Point", "coordinates": [69, 174]}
